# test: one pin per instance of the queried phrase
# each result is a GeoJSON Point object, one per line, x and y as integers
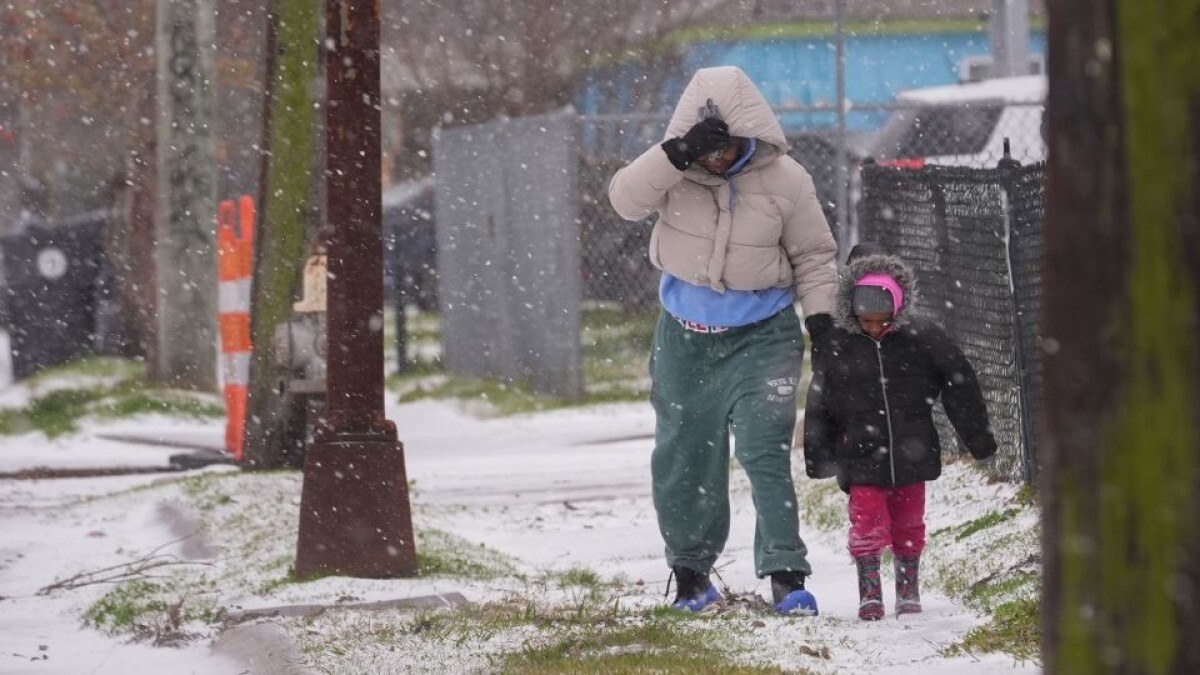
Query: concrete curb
{"type": "Point", "coordinates": [444, 600]}
{"type": "Point", "coordinates": [265, 648]}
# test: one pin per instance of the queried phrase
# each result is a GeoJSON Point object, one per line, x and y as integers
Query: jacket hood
{"type": "Point", "coordinates": [843, 308]}
{"type": "Point", "coordinates": [741, 105]}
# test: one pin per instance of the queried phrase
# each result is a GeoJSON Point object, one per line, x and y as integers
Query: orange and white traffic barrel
{"type": "Point", "coordinates": [235, 264]}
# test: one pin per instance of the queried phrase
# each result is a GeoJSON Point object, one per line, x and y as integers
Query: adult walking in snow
{"type": "Point", "coordinates": [740, 238]}
{"type": "Point", "coordinates": [868, 419]}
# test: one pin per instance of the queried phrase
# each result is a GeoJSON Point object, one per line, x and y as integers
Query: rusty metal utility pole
{"type": "Point", "coordinates": [355, 518]}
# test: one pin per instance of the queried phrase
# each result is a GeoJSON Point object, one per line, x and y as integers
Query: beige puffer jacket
{"type": "Point", "coordinates": [763, 228]}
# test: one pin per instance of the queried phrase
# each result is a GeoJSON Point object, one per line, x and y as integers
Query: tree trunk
{"type": "Point", "coordinates": [1120, 446]}
{"type": "Point", "coordinates": [290, 122]}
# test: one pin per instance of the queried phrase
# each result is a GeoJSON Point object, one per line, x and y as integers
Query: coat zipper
{"type": "Point", "coordinates": [887, 409]}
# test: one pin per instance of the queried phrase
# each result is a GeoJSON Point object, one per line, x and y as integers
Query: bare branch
{"type": "Point", "coordinates": [524, 56]}
{"type": "Point", "coordinates": [139, 568]}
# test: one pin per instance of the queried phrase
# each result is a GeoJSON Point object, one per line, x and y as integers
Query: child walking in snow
{"type": "Point", "coordinates": [868, 419]}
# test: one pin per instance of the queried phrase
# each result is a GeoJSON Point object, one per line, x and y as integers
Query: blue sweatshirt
{"type": "Point", "coordinates": [731, 308]}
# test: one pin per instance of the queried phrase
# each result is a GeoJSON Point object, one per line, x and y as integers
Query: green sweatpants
{"type": "Point", "coordinates": [702, 386]}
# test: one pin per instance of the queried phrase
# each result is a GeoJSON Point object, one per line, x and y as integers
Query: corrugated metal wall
{"type": "Point", "coordinates": [508, 251]}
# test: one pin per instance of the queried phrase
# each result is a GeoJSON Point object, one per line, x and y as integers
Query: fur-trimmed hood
{"type": "Point", "coordinates": [740, 104]}
{"type": "Point", "coordinates": [843, 309]}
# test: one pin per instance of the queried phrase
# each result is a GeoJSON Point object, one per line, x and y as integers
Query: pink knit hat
{"type": "Point", "coordinates": [867, 301]}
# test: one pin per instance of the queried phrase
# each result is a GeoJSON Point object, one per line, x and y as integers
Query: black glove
{"type": "Point", "coordinates": [707, 135]}
{"type": "Point", "coordinates": [983, 446]}
{"type": "Point", "coordinates": [817, 325]}
{"type": "Point", "coordinates": [843, 482]}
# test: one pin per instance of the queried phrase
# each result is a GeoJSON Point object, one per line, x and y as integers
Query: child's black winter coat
{"type": "Point", "coordinates": [868, 417]}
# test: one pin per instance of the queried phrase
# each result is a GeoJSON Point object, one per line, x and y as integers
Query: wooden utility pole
{"type": "Point", "coordinates": [1121, 315]}
{"type": "Point", "coordinates": [290, 132]}
{"type": "Point", "coordinates": [354, 510]}
{"type": "Point", "coordinates": [186, 253]}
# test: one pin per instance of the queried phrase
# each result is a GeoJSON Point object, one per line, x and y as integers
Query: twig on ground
{"type": "Point", "coordinates": [139, 568]}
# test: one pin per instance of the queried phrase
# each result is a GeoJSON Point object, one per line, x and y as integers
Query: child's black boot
{"type": "Point", "coordinates": [908, 585]}
{"type": "Point", "coordinates": [870, 593]}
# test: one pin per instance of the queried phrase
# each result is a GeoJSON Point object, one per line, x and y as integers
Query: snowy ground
{"type": "Point", "coordinates": [548, 493]}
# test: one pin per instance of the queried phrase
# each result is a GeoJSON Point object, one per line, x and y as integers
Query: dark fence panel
{"type": "Point", "coordinates": [955, 226]}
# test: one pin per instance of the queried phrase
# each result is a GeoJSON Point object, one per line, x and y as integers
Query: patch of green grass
{"type": "Point", "coordinates": [443, 554]}
{"type": "Point", "coordinates": [53, 414]}
{"type": "Point", "coordinates": [423, 366]}
{"type": "Point", "coordinates": [616, 351]}
{"type": "Point", "coordinates": [97, 367]}
{"type": "Point", "coordinates": [597, 637]}
{"type": "Point", "coordinates": [1027, 496]}
{"type": "Point", "coordinates": [953, 580]}
{"type": "Point", "coordinates": [501, 398]}
{"type": "Point", "coordinates": [579, 577]}
{"type": "Point", "coordinates": [963, 530]}
{"type": "Point", "coordinates": [209, 490]}
{"type": "Point", "coordinates": [283, 574]}
{"type": "Point", "coordinates": [615, 347]}
{"type": "Point", "coordinates": [423, 328]}
{"type": "Point", "coordinates": [141, 606]}
{"type": "Point", "coordinates": [983, 523]}
{"type": "Point", "coordinates": [647, 647]}
{"type": "Point", "coordinates": [1015, 629]}
{"type": "Point", "coordinates": [987, 597]}
{"type": "Point", "coordinates": [971, 582]}
{"type": "Point", "coordinates": [422, 336]}
{"type": "Point", "coordinates": [140, 399]}
{"type": "Point", "coordinates": [1009, 595]}
{"type": "Point", "coordinates": [823, 505]}
{"type": "Point", "coordinates": [58, 411]}
{"type": "Point", "coordinates": [611, 336]}
{"type": "Point", "coordinates": [120, 610]}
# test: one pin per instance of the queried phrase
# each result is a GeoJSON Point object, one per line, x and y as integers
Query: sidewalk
{"type": "Point", "coordinates": [558, 491]}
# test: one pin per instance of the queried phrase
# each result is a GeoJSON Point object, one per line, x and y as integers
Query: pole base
{"type": "Point", "coordinates": [355, 518]}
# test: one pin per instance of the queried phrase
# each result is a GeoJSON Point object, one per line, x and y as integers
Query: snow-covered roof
{"type": "Point", "coordinates": [1023, 89]}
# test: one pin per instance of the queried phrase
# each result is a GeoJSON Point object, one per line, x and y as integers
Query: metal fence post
{"type": "Point", "coordinates": [842, 227]}
{"type": "Point", "coordinates": [1008, 169]}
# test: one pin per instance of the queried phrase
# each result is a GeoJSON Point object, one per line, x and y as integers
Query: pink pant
{"type": "Point", "coordinates": [883, 516]}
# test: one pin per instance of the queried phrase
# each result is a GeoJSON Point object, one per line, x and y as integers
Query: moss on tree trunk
{"type": "Point", "coordinates": [1122, 314]}
{"type": "Point", "coordinates": [285, 207]}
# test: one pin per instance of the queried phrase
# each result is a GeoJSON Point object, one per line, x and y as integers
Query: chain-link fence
{"type": "Point", "coordinates": [613, 265]}
{"type": "Point", "coordinates": [973, 237]}
{"type": "Point", "coordinates": [615, 262]}
{"type": "Point", "coordinates": [913, 134]}
{"type": "Point", "coordinates": [968, 134]}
